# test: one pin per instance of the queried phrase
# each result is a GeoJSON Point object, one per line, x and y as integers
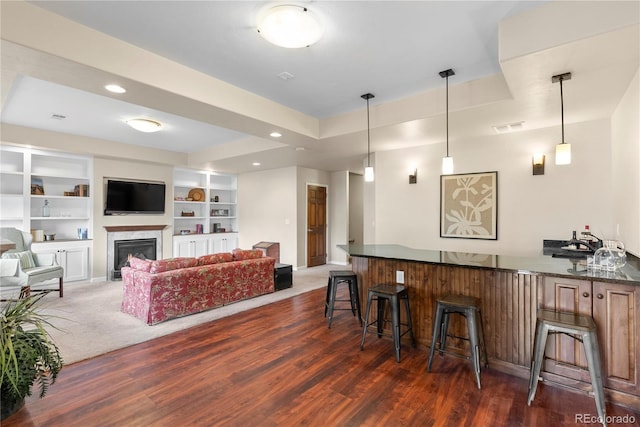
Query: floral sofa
{"type": "Point", "coordinates": [155, 291]}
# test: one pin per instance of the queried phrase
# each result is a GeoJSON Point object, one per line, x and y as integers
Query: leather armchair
{"type": "Point", "coordinates": [22, 271]}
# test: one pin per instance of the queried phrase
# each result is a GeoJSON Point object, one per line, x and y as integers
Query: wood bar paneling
{"type": "Point", "coordinates": [509, 304]}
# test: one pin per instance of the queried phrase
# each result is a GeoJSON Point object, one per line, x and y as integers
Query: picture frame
{"type": "Point", "coordinates": [469, 205]}
{"type": "Point", "coordinates": [37, 187]}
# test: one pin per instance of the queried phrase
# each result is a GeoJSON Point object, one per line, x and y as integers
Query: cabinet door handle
{"type": "Point", "coordinates": [585, 294]}
{"type": "Point", "coordinates": [600, 296]}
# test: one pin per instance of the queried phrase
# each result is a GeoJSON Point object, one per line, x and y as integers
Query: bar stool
{"type": "Point", "coordinates": [392, 293]}
{"type": "Point", "coordinates": [579, 327]}
{"type": "Point", "coordinates": [335, 278]}
{"type": "Point", "coordinates": [469, 307]}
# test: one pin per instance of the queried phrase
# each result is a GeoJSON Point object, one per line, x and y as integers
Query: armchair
{"type": "Point", "coordinates": [21, 269]}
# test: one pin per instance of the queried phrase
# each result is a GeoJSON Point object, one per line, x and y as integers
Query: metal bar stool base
{"type": "Point", "coordinates": [469, 307]}
{"type": "Point", "coordinates": [580, 327]}
{"type": "Point", "coordinates": [393, 294]}
{"type": "Point", "coordinates": [335, 278]}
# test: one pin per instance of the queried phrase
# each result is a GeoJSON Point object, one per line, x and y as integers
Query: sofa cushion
{"type": "Point", "coordinates": [25, 257]}
{"type": "Point", "coordinates": [162, 265]}
{"type": "Point", "coordinates": [140, 264]}
{"type": "Point", "coordinates": [215, 258]}
{"type": "Point", "coordinates": [242, 254]}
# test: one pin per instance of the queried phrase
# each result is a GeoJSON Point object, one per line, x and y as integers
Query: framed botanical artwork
{"type": "Point", "coordinates": [469, 205]}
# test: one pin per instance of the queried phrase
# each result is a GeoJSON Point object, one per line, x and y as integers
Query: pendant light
{"type": "Point", "coordinates": [368, 171]}
{"type": "Point", "coordinates": [563, 150]}
{"type": "Point", "coordinates": [447, 162]}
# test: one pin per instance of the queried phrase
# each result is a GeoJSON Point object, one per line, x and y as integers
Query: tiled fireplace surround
{"type": "Point", "coordinates": [130, 232]}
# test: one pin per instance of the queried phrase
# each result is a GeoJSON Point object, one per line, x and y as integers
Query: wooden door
{"type": "Point", "coordinates": [316, 225]}
{"type": "Point", "coordinates": [616, 311]}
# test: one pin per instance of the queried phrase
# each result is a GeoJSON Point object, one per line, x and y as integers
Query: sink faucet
{"type": "Point", "coordinates": [589, 245]}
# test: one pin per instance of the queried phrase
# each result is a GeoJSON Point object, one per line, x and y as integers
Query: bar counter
{"type": "Point", "coordinates": [543, 264]}
{"type": "Point", "coordinates": [511, 290]}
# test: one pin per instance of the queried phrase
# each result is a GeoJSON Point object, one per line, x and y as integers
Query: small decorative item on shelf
{"type": "Point", "coordinates": [183, 232]}
{"type": "Point", "coordinates": [216, 199]}
{"type": "Point", "coordinates": [196, 194]}
{"type": "Point", "coordinates": [37, 188]}
{"type": "Point", "coordinates": [81, 190]}
{"type": "Point", "coordinates": [45, 209]}
{"type": "Point", "coordinates": [219, 212]}
{"type": "Point", "coordinates": [187, 213]}
{"type": "Point", "coordinates": [199, 228]}
{"type": "Point", "coordinates": [178, 199]}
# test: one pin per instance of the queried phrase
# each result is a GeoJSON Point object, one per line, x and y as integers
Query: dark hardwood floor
{"type": "Point", "coordinates": [279, 365]}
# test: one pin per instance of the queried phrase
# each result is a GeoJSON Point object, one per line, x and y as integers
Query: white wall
{"type": "Point", "coordinates": [355, 207]}
{"type": "Point", "coordinates": [338, 217]}
{"type": "Point", "coordinates": [268, 212]}
{"type": "Point", "coordinates": [530, 208]}
{"type": "Point", "coordinates": [625, 158]}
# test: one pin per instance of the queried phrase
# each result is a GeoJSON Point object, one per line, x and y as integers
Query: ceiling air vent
{"type": "Point", "coordinates": [511, 127]}
{"type": "Point", "coordinates": [58, 116]}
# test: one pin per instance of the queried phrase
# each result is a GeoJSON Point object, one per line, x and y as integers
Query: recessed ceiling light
{"type": "Point", "coordinates": [275, 134]}
{"type": "Point", "coordinates": [255, 164]}
{"type": "Point", "coordinates": [115, 88]}
{"type": "Point", "coordinates": [145, 125]}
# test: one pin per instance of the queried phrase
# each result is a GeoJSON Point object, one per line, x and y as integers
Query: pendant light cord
{"type": "Point", "coordinates": [447, 80]}
{"type": "Point", "coordinates": [562, 109]}
{"type": "Point", "coordinates": [368, 137]}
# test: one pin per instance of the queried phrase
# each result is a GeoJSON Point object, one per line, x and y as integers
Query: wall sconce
{"type": "Point", "coordinates": [413, 176]}
{"type": "Point", "coordinates": [538, 164]}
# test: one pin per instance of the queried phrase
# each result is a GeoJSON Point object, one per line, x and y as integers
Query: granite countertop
{"type": "Point", "coordinates": [543, 264]}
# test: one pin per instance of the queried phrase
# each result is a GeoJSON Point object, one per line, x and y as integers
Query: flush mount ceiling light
{"type": "Point", "coordinates": [447, 162]}
{"type": "Point", "coordinates": [275, 134]}
{"type": "Point", "coordinates": [145, 125]}
{"type": "Point", "coordinates": [289, 26]}
{"type": "Point", "coordinates": [115, 88]}
{"type": "Point", "coordinates": [563, 150]}
{"type": "Point", "coordinates": [368, 171]}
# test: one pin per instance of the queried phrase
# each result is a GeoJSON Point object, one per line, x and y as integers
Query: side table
{"type": "Point", "coordinates": [283, 276]}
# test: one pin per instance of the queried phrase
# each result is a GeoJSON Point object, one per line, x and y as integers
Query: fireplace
{"type": "Point", "coordinates": [125, 249]}
{"type": "Point", "coordinates": [131, 236]}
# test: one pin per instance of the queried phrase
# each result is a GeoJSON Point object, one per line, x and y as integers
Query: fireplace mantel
{"type": "Point", "coordinates": [119, 228]}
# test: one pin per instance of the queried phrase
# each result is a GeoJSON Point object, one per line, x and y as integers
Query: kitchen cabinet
{"type": "Point", "coordinates": [73, 256]}
{"type": "Point", "coordinates": [615, 309]}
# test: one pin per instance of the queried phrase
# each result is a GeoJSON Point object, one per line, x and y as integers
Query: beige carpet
{"type": "Point", "coordinates": [90, 321]}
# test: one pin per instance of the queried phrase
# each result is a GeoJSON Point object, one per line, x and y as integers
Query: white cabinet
{"type": "Point", "coordinates": [190, 245]}
{"type": "Point", "coordinates": [223, 242]}
{"type": "Point", "coordinates": [30, 178]}
{"type": "Point", "coordinates": [73, 256]}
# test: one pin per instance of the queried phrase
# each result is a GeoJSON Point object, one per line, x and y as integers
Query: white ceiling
{"type": "Point", "coordinates": [393, 49]}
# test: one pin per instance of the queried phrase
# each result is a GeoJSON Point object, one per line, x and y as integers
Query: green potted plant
{"type": "Point", "coordinates": [28, 354]}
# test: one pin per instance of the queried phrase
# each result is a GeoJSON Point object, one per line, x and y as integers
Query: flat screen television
{"type": "Point", "coordinates": [133, 197]}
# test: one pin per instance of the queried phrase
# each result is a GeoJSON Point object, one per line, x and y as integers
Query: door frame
{"type": "Point", "coordinates": [306, 220]}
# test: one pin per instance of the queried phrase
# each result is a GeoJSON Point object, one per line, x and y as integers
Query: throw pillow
{"type": "Point", "coordinates": [25, 257]}
{"type": "Point", "coordinates": [140, 264]}
{"type": "Point", "coordinates": [169, 264]}
{"type": "Point", "coordinates": [215, 258]}
{"type": "Point", "coordinates": [242, 254]}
